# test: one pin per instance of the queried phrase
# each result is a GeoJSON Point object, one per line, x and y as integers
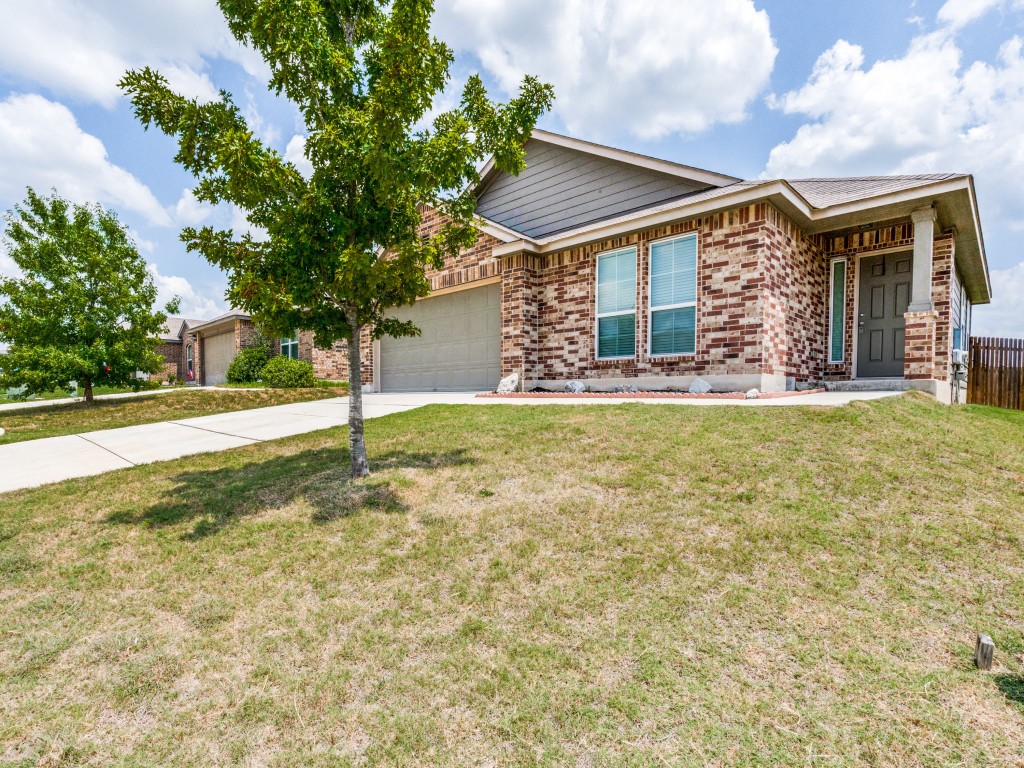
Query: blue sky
{"type": "Point", "coordinates": [752, 88]}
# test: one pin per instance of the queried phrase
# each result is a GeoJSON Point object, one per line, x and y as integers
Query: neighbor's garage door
{"type": "Point", "coordinates": [218, 352]}
{"type": "Point", "coordinates": [459, 349]}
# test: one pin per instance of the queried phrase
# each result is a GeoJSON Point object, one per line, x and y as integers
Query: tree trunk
{"type": "Point", "coordinates": [88, 391]}
{"type": "Point", "coordinates": [357, 445]}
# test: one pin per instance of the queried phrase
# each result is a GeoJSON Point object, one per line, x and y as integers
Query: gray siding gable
{"type": "Point", "coordinates": [563, 188]}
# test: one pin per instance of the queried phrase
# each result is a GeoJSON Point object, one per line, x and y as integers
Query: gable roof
{"type": "Point", "coordinates": [569, 183]}
{"type": "Point", "coordinates": [174, 328]}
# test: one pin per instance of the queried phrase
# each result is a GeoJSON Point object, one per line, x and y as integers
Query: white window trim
{"type": "Point", "coordinates": [290, 341]}
{"type": "Point", "coordinates": [600, 316]}
{"type": "Point", "coordinates": [831, 309]}
{"type": "Point", "coordinates": [651, 309]}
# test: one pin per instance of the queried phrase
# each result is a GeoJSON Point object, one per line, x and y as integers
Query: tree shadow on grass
{"type": "Point", "coordinates": [1012, 687]}
{"type": "Point", "coordinates": [217, 498]}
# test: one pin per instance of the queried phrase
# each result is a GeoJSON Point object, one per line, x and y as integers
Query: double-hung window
{"type": "Point", "coordinates": [837, 312]}
{"type": "Point", "coordinates": [616, 304]}
{"type": "Point", "coordinates": [290, 346]}
{"type": "Point", "coordinates": [674, 296]}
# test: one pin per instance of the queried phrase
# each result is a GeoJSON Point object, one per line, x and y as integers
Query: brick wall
{"type": "Point", "coordinates": [762, 300]}
{"type": "Point", "coordinates": [795, 319]}
{"type": "Point", "coordinates": [942, 298]}
{"type": "Point", "coordinates": [173, 354]}
{"type": "Point", "coordinates": [730, 308]}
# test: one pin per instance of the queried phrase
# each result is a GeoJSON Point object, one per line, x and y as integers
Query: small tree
{"type": "Point", "coordinates": [83, 309]}
{"type": "Point", "coordinates": [342, 246]}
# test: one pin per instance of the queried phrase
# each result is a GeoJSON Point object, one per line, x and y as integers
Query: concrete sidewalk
{"type": "Point", "coordinates": [48, 460]}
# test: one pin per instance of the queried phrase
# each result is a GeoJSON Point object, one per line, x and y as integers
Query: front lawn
{"type": "Point", "coordinates": [628, 585]}
{"type": "Point", "coordinates": [74, 418]}
{"type": "Point", "coordinates": [62, 395]}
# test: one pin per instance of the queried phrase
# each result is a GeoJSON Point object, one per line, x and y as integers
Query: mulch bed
{"type": "Point", "coordinates": [651, 395]}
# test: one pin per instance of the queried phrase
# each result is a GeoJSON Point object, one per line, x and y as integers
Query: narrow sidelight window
{"type": "Point", "coordinates": [674, 296]}
{"type": "Point", "coordinates": [290, 346]}
{"type": "Point", "coordinates": [837, 312]}
{"type": "Point", "coordinates": [616, 304]}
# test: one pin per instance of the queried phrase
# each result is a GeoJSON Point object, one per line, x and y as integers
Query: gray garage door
{"type": "Point", "coordinates": [218, 352]}
{"type": "Point", "coordinates": [460, 349]}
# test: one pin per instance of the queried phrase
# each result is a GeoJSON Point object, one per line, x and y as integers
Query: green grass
{"type": "Point", "coordinates": [624, 585]}
{"type": "Point", "coordinates": [62, 395]}
{"type": "Point", "coordinates": [72, 418]}
{"type": "Point", "coordinates": [341, 386]}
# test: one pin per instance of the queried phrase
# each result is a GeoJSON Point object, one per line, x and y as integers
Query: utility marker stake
{"type": "Point", "coordinates": [984, 650]}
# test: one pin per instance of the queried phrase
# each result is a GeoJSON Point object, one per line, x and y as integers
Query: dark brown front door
{"type": "Point", "coordinates": [884, 297]}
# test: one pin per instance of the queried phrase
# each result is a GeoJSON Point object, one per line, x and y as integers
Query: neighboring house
{"type": "Point", "coordinates": [172, 349]}
{"type": "Point", "coordinates": [615, 268]}
{"type": "Point", "coordinates": [211, 345]}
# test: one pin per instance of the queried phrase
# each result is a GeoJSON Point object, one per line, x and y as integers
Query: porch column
{"type": "Point", "coordinates": [924, 243]}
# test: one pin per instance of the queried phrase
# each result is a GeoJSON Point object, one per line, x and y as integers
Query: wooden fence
{"type": "Point", "coordinates": [996, 373]}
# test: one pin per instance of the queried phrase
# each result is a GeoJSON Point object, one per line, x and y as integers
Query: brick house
{"type": "Point", "coordinates": [615, 268]}
{"type": "Point", "coordinates": [171, 348]}
{"type": "Point", "coordinates": [209, 347]}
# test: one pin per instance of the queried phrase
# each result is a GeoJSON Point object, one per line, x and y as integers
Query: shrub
{"type": "Point", "coordinates": [288, 373]}
{"type": "Point", "coordinates": [248, 364]}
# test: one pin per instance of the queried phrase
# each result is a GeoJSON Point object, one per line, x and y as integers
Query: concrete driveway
{"type": "Point", "coordinates": [52, 459]}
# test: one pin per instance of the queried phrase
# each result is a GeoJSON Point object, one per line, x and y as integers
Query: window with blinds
{"type": "Point", "coordinates": [616, 304]}
{"type": "Point", "coordinates": [673, 303]}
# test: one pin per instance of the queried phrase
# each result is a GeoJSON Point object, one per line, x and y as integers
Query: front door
{"type": "Point", "coordinates": [885, 282]}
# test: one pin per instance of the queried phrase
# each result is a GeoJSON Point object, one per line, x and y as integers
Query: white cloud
{"type": "Point", "coordinates": [295, 153]}
{"type": "Point", "coordinates": [926, 111]}
{"type": "Point", "coordinates": [647, 67]}
{"type": "Point", "coordinates": [189, 212]}
{"type": "Point", "coordinates": [1005, 316]}
{"type": "Point", "coordinates": [194, 304]}
{"type": "Point", "coordinates": [42, 146]}
{"type": "Point", "coordinates": [956, 14]}
{"type": "Point", "coordinates": [921, 112]}
{"type": "Point", "coordinates": [82, 49]}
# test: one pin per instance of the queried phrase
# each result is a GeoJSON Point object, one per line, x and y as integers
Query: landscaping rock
{"type": "Point", "coordinates": [632, 389]}
{"type": "Point", "coordinates": [752, 394]}
{"type": "Point", "coordinates": [619, 389]}
{"type": "Point", "coordinates": [699, 387]}
{"type": "Point", "coordinates": [509, 384]}
{"type": "Point", "coordinates": [576, 387]}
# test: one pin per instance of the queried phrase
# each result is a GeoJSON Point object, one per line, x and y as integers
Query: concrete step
{"type": "Point", "coordinates": [870, 385]}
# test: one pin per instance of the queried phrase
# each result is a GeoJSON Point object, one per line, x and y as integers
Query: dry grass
{"type": "Point", "coordinates": [74, 418]}
{"type": "Point", "coordinates": [599, 586]}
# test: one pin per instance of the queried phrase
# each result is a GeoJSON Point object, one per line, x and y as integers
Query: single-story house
{"type": "Point", "coordinates": [614, 268]}
{"type": "Point", "coordinates": [207, 347]}
{"type": "Point", "coordinates": [171, 347]}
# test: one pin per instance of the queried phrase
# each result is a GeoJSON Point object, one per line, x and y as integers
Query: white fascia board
{"type": "Point", "coordinates": [616, 227]}
{"type": "Point", "coordinates": [888, 199]}
{"type": "Point", "coordinates": [976, 215]}
{"type": "Point", "coordinates": [496, 230]}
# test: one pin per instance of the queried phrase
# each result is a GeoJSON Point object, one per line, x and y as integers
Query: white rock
{"type": "Point", "coordinates": [509, 384]}
{"type": "Point", "coordinates": [752, 394]}
{"type": "Point", "coordinates": [1, 432]}
{"type": "Point", "coordinates": [699, 387]}
{"type": "Point", "coordinates": [576, 387]}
